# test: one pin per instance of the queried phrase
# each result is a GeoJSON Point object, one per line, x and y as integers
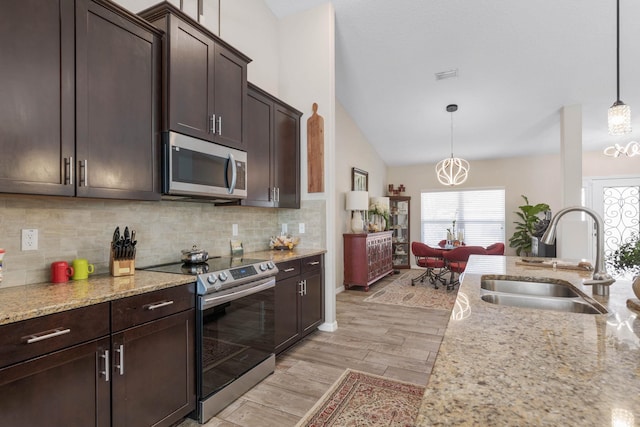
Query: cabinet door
{"type": "Point", "coordinates": [154, 372]}
{"type": "Point", "coordinates": [61, 389]}
{"type": "Point", "coordinates": [117, 97]}
{"type": "Point", "coordinates": [287, 157]}
{"type": "Point", "coordinates": [286, 312]}
{"type": "Point", "coordinates": [37, 102]}
{"type": "Point", "coordinates": [230, 98]}
{"type": "Point", "coordinates": [190, 75]}
{"type": "Point", "coordinates": [259, 136]}
{"type": "Point", "coordinates": [311, 303]}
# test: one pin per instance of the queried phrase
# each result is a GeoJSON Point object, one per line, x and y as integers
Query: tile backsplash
{"type": "Point", "coordinates": [71, 228]}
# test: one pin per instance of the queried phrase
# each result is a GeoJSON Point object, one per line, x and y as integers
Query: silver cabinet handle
{"type": "Point", "coordinates": [234, 173]}
{"type": "Point", "coordinates": [84, 165]}
{"type": "Point", "coordinates": [286, 270]}
{"type": "Point", "coordinates": [305, 286]}
{"type": "Point", "coordinates": [158, 305]}
{"type": "Point", "coordinates": [212, 124]}
{"type": "Point", "coordinates": [277, 194]}
{"type": "Point", "coordinates": [46, 335]}
{"type": "Point", "coordinates": [120, 364]}
{"type": "Point", "coordinates": [105, 356]}
{"type": "Point", "coordinates": [68, 171]}
{"type": "Point", "coordinates": [313, 263]}
{"type": "Point", "coordinates": [219, 125]}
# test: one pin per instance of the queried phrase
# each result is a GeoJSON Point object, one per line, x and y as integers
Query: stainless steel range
{"type": "Point", "coordinates": [234, 327]}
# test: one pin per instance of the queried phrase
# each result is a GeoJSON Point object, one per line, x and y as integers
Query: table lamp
{"type": "Point", "coordinates": [357, 201]}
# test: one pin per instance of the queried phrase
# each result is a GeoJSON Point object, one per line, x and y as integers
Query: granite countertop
{"type": "Point", "coordinates": [28, 301]}
{"type": "Point", "coordinates": [500, 365]}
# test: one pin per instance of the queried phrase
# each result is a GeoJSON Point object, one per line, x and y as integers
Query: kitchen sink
{"type": "Point", "coordinates": [567, 305]}
{"type": "Point", "coordinates": [521, 287]}
{"type": "Point", "coordinates": [549, 294]}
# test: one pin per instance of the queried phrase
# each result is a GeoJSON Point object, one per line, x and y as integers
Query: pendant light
{"type": "Point", "coordinates": [619, 113]}
{"type": "Point", "coordinates": [453, 170]}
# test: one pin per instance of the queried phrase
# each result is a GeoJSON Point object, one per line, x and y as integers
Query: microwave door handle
{"type": "Point", "coordinates": [234, 173]}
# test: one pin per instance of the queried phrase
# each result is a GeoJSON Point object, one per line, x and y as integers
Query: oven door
{"type": "Point", "coordinates": [237, 334]}
{"type": "Point", "coordinates": [200, 168]}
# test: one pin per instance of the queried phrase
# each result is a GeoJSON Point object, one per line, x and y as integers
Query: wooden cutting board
{"type": "Point", "coordinates": [315, 152]}
{"type": "Point", "coordinates": [560, 265]}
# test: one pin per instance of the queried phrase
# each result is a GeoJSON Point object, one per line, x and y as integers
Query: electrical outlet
{"type": "Point", "coordinates": [284, 228]}
{"type": "Point", "coordinates": [234, 229]}
{"type": "Point", "coordinates": [301, 228]}
{"type": "Point", "coordinates": [29, 239]}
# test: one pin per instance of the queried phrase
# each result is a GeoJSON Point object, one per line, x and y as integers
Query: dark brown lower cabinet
{"type": "Point", "coordinates": [153, 372]}
{"type": "Point", "coordinates": [61, 389]}
{"type": "Point", "coordinates": [71, 369]}
{"type": "Point", "coordinates": [299, 303]}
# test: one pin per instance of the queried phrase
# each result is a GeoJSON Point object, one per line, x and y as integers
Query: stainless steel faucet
{"type": "Point", "coordinates": [601, 280]}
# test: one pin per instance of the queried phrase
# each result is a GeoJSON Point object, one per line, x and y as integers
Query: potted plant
{"type": "Point", "coordinates": [626, 259]}
{"type": "Point", "coordinates": [529, 226]}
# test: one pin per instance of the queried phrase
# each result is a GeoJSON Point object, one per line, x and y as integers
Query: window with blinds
{"type": "Point", "coordinates": [479, 214]}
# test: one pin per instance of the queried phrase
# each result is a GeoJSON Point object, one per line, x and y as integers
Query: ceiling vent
{"type": "Point", "coordinates": [447, 74]}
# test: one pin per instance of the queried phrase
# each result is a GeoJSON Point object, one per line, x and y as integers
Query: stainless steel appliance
{"type": "Point", "coordinates": [234, 327]}
{"type": "Point", "coordinates": [195, 168]}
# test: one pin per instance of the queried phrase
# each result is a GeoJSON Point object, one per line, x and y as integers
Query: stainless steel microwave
{"type": "Point", "coordinates": [202, 169]}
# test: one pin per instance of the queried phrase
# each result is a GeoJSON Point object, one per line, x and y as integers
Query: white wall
{"type": "Point", "coordinates": [307, 76]}
{"type": "Point", "coordinates": [251, 27]}
{"type": "Point", "coordinates": [352, 150]}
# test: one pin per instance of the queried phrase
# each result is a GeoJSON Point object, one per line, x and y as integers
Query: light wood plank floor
{"type": "Point", "coordinates": [388, 340]}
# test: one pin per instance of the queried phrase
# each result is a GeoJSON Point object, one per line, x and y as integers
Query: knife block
{"type": "Point", "coordinates": [121, 267]}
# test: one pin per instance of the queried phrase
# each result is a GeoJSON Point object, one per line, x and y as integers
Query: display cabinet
{"type": "Point", "coordinates": [399, 225]}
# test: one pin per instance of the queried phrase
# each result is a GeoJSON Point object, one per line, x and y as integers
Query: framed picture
{"type": "Point", "coordinates": [359, 180]}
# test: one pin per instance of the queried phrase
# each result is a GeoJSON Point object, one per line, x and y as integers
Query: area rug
{"type": "Point", "coordinates": [361, 399]}
{"type": "Point", "coordinates": [422, 295]}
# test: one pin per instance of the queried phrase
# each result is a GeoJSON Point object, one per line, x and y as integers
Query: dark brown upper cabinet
{"type": "Point", "coordinates": [118, 88]}
{"type": "Point", "coordinates": [37, 105]}
{"type": "Point", "coordinates": [206, 80]}
{"type": "Point", "coordinates": [273, 151]}
{"type": "Point", "coordinates": [80, 111]}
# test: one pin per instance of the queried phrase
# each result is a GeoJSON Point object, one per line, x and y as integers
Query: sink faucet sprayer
{"type": "Point", "coordinates": [601, 279]}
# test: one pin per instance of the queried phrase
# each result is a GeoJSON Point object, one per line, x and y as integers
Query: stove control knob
{"type": "Point", "coordinates": [270, 265]}
{"type": "Point", "coordinates": [263, 267]}
{"type": "Point", "coordinates": [212, 279]}
{"type": "Point", "coordinates": [223, 276]}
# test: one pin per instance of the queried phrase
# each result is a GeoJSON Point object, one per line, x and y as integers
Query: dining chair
{"type": "Point", "coordinates": [495, 249]}
{"type": "Point", "coordinates": [456, 261]}
{"type": "Point", "coordinates": [431, 259]}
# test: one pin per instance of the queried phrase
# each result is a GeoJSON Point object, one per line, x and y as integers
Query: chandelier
{"type": "Point", "coordinates": [453, 170]}
{"type": "Point", "coordinates": [619, 116]}
{"type": "Point", "coordinates": [630, 150]}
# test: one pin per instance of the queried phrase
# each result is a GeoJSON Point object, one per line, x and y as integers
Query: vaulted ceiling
{"type": "Point", "coordinates": [518, 61]}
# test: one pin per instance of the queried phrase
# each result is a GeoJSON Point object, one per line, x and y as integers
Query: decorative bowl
{"type": "Point", "coordinates": [283, 243]}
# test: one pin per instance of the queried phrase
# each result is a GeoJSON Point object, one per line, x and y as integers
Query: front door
{"type": "Point", "coordinates": [617, 200]}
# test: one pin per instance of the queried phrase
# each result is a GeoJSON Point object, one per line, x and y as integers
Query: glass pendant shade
{"type": "Point", "coordinates": [619, 119]}
{"type": "Point", "coordinates": [452, 171]}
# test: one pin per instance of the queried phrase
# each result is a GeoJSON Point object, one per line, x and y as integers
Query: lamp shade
{"type": "Point", "coordinates": [357, 201]}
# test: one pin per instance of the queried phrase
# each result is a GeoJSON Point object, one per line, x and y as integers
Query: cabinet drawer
{"type": "Point", "coordinates": [311, 263]}
{"type": "Point", "coordinates": [34, 337]}
{"type": "Point", "coordinates": [131, 311]}
{"type": "Point", "coordinates": [288, 269]}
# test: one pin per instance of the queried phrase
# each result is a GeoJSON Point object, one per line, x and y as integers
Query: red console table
{"type": "Point", "coordinates": [367, 258]}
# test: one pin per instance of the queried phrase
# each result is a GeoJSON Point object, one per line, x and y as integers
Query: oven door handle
{"type": "Point", "coordinates": [259, 287]}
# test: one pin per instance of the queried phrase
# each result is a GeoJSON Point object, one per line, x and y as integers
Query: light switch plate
{"type": "Point", "coordinates": [301, 228]}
